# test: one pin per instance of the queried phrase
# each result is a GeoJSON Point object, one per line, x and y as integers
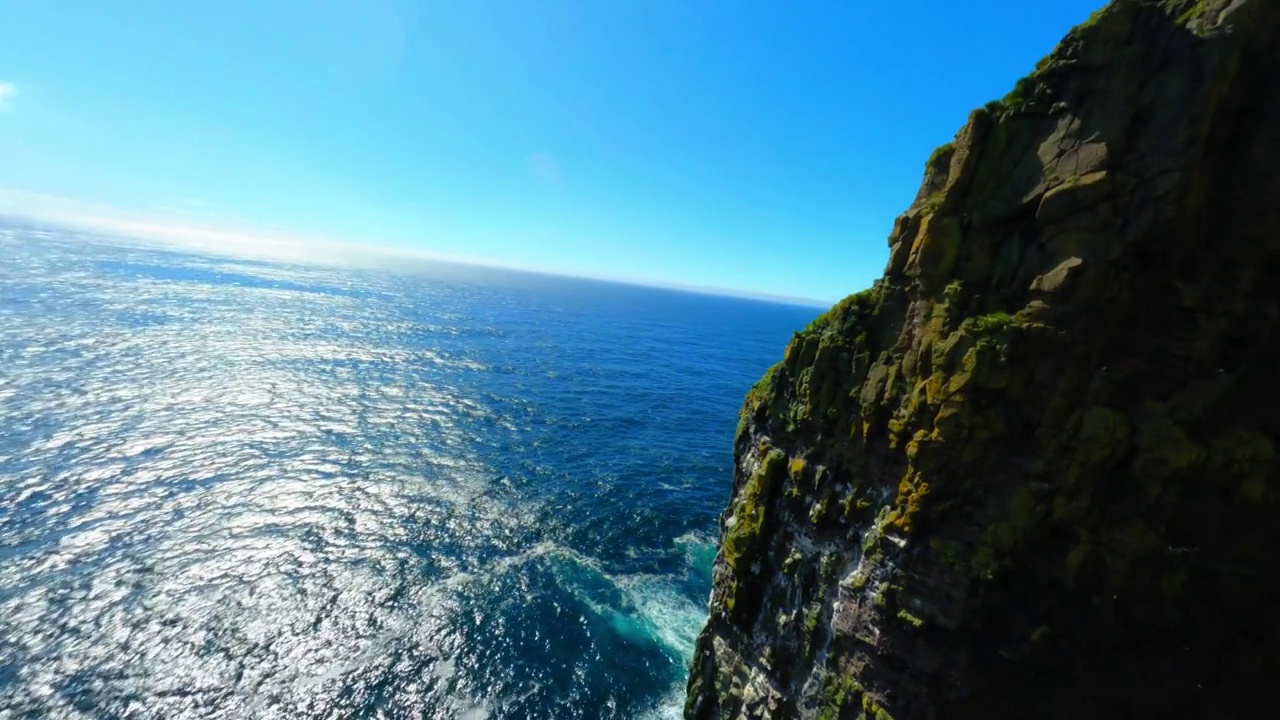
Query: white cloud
{"type": "Point", "coordinates": [172, 228]}
{"type": "Point", "coordinates": [181, 229]}
{"type": "Point", "coordinates": [7, 90]}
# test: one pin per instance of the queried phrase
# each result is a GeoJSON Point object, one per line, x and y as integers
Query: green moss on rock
{"type": "Point", "coordinates": [1038, 459]}
{"type": "Point", "coordinates": [742, 537]}
{"type": "Point", "coordinates": [840, 691]}
{"type": "Point", "coordinates": [910, 619]}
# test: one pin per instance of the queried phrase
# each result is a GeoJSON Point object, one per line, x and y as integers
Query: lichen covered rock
{"type": "Point", "coordinates": [1033, 471]}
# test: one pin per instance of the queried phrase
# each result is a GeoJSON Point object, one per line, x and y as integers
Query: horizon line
{"type": "Point", "coordinates": [255, 244]}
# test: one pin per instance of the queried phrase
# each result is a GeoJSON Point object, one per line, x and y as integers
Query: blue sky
{"type": "Point", "coordinates": [756, 146]}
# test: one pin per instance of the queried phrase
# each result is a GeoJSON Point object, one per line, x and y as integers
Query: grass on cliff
{"type": "Point", "coordinates": [742, 538]}
{"type": "Point", "coordinates": [938, 155]}
{"type": "Point", "coordinates": [1192, 12]}
{"type": "Point", "coordinates": [992, 322]}
{"type": "Point", "coordinates": [852, 307]}
{"type": "Point", "coordinates": [755, 396]}
{"type": "Point", "coordinates": [1024, 89]}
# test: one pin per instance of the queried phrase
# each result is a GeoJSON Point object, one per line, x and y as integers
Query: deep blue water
{"type": "Point", "coordinates": [234, 488]}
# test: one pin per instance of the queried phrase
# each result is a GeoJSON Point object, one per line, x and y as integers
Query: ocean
{"type": "Point", "coordinates": [235, 488]}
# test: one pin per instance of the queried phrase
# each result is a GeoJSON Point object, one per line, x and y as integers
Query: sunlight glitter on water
{"type": "Point", "coordinates": [241, 489]}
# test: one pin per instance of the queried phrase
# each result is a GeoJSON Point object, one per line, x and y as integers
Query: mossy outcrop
{"type": "Point", "coordinates": [1033, 471]}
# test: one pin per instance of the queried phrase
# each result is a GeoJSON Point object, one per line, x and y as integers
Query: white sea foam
{"type": "Point", "coordinates": [253, 495]}
{"type": "Point", "coordinates": [474, 712]}
{"type": "Point", "coordinates": [670, 707]}
{"type": "Point", "coordinates": [664, 611]}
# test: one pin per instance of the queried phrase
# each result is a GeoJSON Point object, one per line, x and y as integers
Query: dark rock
{"type": "Point", "coordinates": [1033, 472]}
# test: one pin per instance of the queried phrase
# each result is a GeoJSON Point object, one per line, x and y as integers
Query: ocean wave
{"type": "Point", "coordinates": [285, 491]}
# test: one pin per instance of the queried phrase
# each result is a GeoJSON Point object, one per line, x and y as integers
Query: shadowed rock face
{"type": "Point", "coordinates": [1032, 472]}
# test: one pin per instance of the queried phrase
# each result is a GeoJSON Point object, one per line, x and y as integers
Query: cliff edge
{"type": "Point", "coordinates": [1033, 471]}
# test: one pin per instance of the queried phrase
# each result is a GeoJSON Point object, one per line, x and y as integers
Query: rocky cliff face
{"type": "Point", "coordinates": [1032, 472]}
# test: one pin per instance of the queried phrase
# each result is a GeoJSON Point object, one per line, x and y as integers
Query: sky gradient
{"type": "Point", "coordinates": [755, 146]}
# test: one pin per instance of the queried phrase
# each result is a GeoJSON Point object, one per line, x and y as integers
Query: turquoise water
{"type": "Point", "coordinates": [234, 488]}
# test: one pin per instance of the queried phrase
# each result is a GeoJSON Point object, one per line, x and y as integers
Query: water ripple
{"type": "Point", "coordinates": [244, 489]}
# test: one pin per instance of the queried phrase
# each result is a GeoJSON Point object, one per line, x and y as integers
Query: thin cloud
{"type": "Point", "coordinates": [180, 229]}
{"type": "Point", "coordinates": [7, 90]}
{"type": "Point", "coordinates": [173, 230]}
{"type": "Point", "coordinates": [186, 232]}
{"type": "Point", "coordinates": [544, 168]}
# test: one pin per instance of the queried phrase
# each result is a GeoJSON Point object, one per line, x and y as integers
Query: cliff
{"type": "Point", "coordinates": [1032, 472]}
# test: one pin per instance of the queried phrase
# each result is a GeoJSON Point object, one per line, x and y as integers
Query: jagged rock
{"type": "Point", "coordinates": [1033, 471]}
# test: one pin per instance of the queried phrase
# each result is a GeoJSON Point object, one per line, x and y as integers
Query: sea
{"type": "Point", "coordinates": [248, 488]}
